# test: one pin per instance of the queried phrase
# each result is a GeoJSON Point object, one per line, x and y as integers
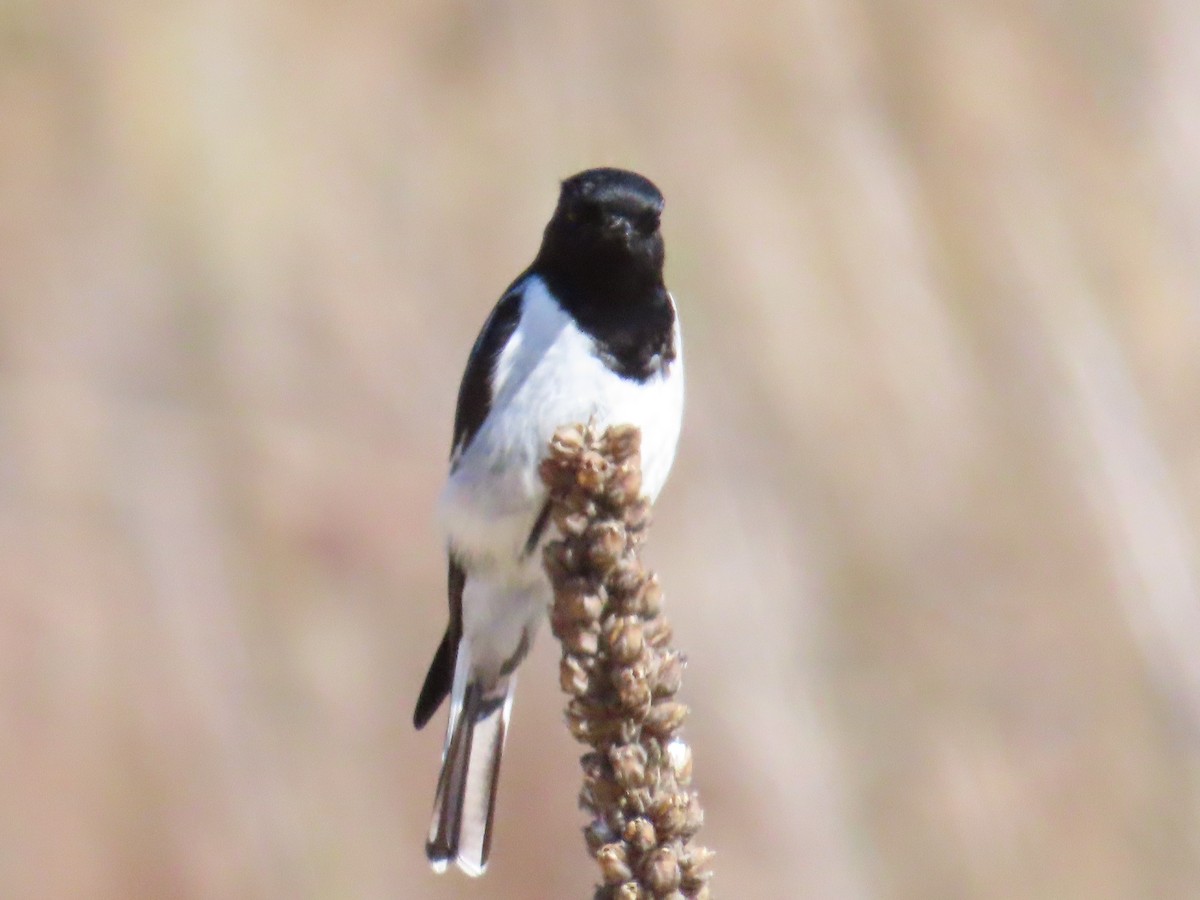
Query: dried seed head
{"type": "Point", "coordinates": [619, 673]}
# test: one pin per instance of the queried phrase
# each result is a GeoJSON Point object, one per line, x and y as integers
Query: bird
{"type": "Point", "coordinates": [588, 333]}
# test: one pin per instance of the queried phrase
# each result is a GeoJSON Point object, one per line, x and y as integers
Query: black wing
{"type": "Point", "coordinates": [474, 404]}
{"type": "Point", "coordinates": [440, 677]}
{"type": "Point", "coordinates": [475, 392]}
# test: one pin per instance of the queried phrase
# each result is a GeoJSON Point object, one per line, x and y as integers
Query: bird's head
{"type": "Point", "coordinates": [608, 216]}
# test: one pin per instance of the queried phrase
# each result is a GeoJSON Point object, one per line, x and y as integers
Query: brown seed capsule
{"type": "Point", "coordinates": [637, 515]}
{"type": "Point", "coordinates": [699, 860]}
{"type": "Point", "coordinates": [592, 471]}
{"type": "Point", "coordinates": [623, 441]}
{"type": "Point", "coordinates": [625, 637]}
{"type": "Point", "coordinates": [693, 816]}
{"type": "Point", "coordinates": [581, 729]}
{"type": "Point", "coordinates": [650, 600]}
{"type": "Point", "coordinates": [605, 543]}
{"type": "Point", "coordinates": [553, 470]}
{"type": "Point", "coordinates": [614, 864]}
{"type": "Point", "coordinates": [571, 523]}
{"type": "Point", "coordinates": [628, 764]}
{"type": "Point", "coordinates": [640, 834]}
{"type": "Point", "coordinates": [600, 792]}
{"type": "Point", "coordinates": [658, 631]}
{"type": "Point", "coordinates": [567, 440]}
{"type": "Point", "coordinates": [594, 764]}
{"type": "Point", "coordinates": [633, 690]}
{"type": "Point", "coordinates": [637, 801]}
{"type": "Point", "coordinates": [560, 559]}
{"type": "Point", "coordinates": [671, 815]}
{"type": "Point", "coordinates": [579, 600]}
{"type": "Point", "coordinates": [599, 732]}
{"type": "Point", "coordinates": [658, 806]}
{"type": "Point", "coordinates": [564, 625]}
{"type": "Point", "coordinates": [696, 865]}
{"type": "Point", "coordinates": [668, 674]}
{"type": "Point", "coordinates": [661, 871]}
{"type": "Point", "coordinates": [583, 641]}
{"type": "Point", "coordinates": [572, 677]}
{"type": "Point", "coordinates": [665, 718]}
{"type": "Point", "coordinates": [625, 484]}
{"type": "Point", "coordinates": [625, 580]}
{"type": "Point", "coordinates": [585, 708]}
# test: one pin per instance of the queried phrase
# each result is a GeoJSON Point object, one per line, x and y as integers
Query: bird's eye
{"type": "Point", "coordinates": [646, 223]}
{"type": "Point", "coordinates": [585, 214]}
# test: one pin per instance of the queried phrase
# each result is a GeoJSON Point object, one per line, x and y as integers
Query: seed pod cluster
{"type": "Point", "coordinates": [619, 672]}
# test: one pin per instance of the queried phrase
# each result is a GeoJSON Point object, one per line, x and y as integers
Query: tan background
{"type": "Point", "coordinates": [931, 541]}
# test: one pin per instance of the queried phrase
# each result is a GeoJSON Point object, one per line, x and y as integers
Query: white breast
{"type": "Point", "coordinates": [547, 376]}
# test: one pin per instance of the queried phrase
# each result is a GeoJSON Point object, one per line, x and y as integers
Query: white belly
{"type": "Point", "coordinates": [546, 379]}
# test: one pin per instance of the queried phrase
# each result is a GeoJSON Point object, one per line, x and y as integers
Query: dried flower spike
{"type": "Point", "coordinates": [620, 673]}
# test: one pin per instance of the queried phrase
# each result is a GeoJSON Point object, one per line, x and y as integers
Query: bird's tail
{"type": "Point", "coordinates": [461, 830]}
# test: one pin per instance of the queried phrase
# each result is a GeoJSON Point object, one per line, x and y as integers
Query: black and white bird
{"type": "Point", "coordinates": [587, 333]}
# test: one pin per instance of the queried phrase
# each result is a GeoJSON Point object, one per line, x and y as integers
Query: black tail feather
{"type": "Point", "coordinates": [437, 682]}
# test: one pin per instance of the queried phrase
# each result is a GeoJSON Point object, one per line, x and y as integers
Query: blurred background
{"type": "Point", "coordinates": [931, 541]}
